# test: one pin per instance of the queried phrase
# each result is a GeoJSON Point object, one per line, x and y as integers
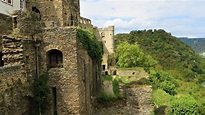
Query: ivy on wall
{"type": "Point", "coordinates": [91, 44]}
{"type": "Point", "coordinates": [40, 93]}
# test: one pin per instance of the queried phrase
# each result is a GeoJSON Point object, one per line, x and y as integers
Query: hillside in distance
{"type": "Point", "coordinates": [173, 55]}
{"type": "Point", "coordinates": [198, 44]}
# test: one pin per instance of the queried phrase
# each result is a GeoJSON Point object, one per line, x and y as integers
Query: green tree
{"type": "Point", "coordinates": [129, 55]}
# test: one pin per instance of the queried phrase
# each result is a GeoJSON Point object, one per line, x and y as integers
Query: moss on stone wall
{"type": "Point", "coordinates": [91, 44]}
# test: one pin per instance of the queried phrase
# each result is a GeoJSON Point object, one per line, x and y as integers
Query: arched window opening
{"type": "Point", "coordinates": [1, 59]}
{"type": "Point", "coordinates": [34, 9]}
{"type": "Point", "coordinates": [55, 59]}
{"type": "Point", "coordinates": [102, 34]}
{"type": "Point", "coordinates": [115, 72]}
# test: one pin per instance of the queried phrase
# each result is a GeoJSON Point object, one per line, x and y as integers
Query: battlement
{"type": "Point", "coordinates": [85, 20]}
{"type": "Point", "coordinates": [109, 28]}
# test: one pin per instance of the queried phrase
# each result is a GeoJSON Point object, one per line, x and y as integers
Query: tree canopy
{"type": "Point", "coordinates": [130, 55]}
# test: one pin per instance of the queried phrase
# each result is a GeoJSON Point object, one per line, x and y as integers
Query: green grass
{"type": "Point", "coordinates": [107, 77]}
{"type": "Point", "coordinates": [125, 79]}
{"type": "Point", "coordinates": [160, 97]}
{"type": "Point", "coordinates": [132, 68]}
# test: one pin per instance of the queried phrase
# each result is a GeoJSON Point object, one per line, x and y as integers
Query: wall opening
{"type": "Point", "coordinates": [34, 9]}
{"type": "Point", "coordinates": [106, 72]}
{"type": "Point", "coordinates": [54, 93]}
{"type": "Point", "coordinates": [1, 59]}
{"type": "Point", "coordinates": [115, 72]}
{"type": "Point", "coordinates": [14, 22]}
{"type": "Point", "coordinates": [55, 59]}
{"type": "Point", "coordinates": [102, 34]}
{"type": "Point", "coordinates": [72, 21]}
{"type": "Point", "coordinates": [103, 67]}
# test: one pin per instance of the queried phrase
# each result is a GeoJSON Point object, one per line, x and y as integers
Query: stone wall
{"type": "Point", "coordinates": [5, 25]}
{"type": "Point", "coordinates": [13, 51]}
{"type": "Point", "coordinates": [136, 102]}
{"type": "Point", "coordinates": [13, 91]}
{"type": "Point", "coordinates": [71, 12]}
{"type": "Point", "coordinates": [19, 51]}
{"type": "Point", "coordinates": [16, 75]}
{"type": "Point", "coordinates": [65, 79]}
{"type": "Point", "coordinates": [139, 100]}
{"type": "Point", "coordinates": [76, 82]}
{"type": "Point", "coordinates": [85, 23]}
{"type": "Point", "coordinates": [62, 12]}
{"type": "Point", "coordinates": [89, 81]}
{"type": "Point", "coordinates": [130, 72]}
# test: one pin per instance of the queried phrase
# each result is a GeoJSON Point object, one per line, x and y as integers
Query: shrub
{"type": "Point", "coordinates": [165, 81]}
{"type": "Point", "coordinates": [105, 97]}
{"type": "Point", "coordinates": [161, 98]}
{"type": "Point", "coordinates": [40, 92]}
{"type": "Point", "coordinates": [184, 105]}
{"type": "Point", "coordinates": [115, 86]}
{"type": "Point", "coordinates": [107, 77]}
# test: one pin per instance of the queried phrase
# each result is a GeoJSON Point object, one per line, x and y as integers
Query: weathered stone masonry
{"type": "Point", "coordinates": [15, 74]}
{"type": "Point", "coordinates": [73, 80]}
{"type": "Point", "coordinates": [77, 83]}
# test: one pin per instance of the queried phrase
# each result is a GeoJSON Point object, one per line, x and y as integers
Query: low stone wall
{"type": "Point", "coordinates": [13, 91]}
{"type": "Point", "coordinates": [139, 99]}
{"type": "Point", "coordinates": [137, 102]}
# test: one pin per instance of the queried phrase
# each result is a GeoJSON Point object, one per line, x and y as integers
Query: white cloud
{"type": "Point", "coordinates": [180, 17]}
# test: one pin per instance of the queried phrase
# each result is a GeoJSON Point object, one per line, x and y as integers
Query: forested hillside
{"type": "Point", "coordinates": [177, 74]}
{"type": "Point", "coordinates": [172, 54]}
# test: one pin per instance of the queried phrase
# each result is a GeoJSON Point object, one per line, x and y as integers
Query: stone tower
{"type": "Point", "coordinates": [56, 12]}
{"type": "Point", "coordinates": [107, 38]}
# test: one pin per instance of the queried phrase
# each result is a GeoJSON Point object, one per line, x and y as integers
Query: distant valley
{"type": "Point", "coordinates": [198, 44]}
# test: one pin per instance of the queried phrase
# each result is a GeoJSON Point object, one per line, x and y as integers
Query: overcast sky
{"type": "Point", "coordinates": [179, 17]}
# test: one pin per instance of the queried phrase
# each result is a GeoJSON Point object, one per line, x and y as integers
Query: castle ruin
{"type": "Point", "coordinates": [48, 43]}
